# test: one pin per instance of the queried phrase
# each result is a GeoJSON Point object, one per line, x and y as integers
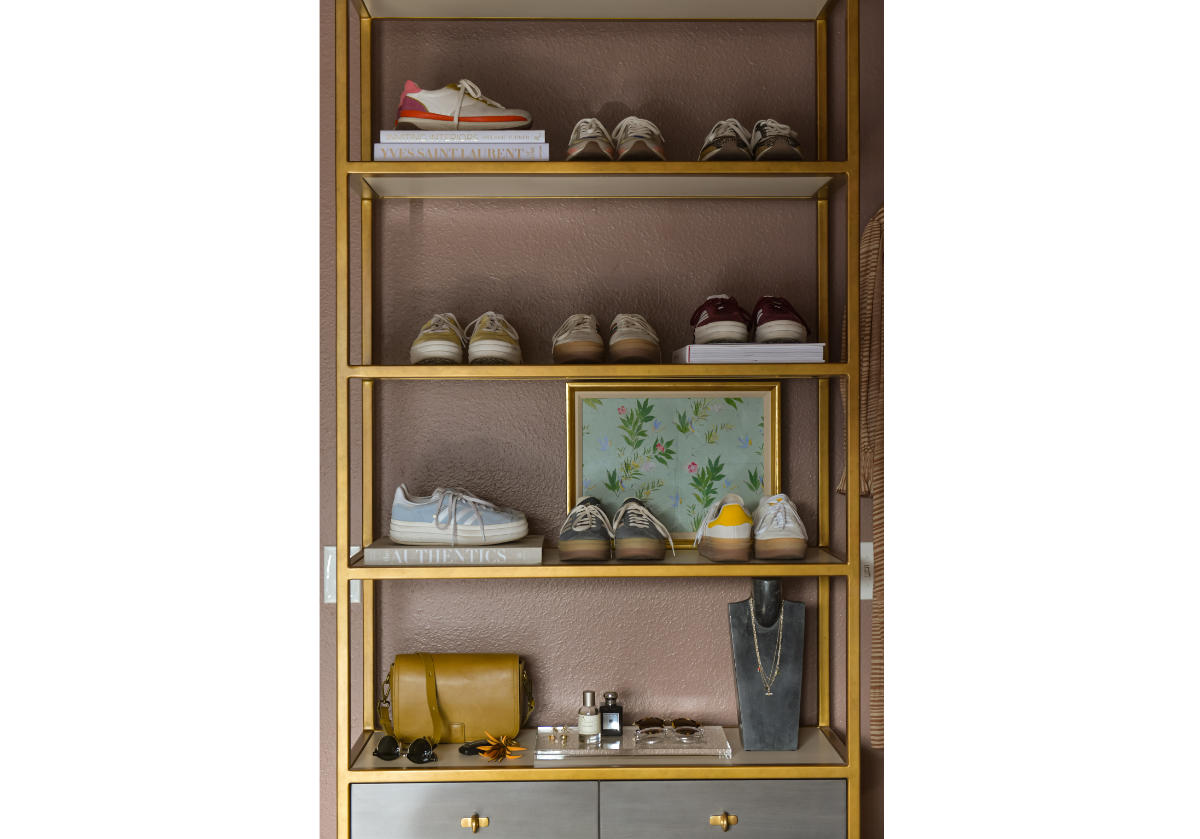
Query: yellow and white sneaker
{"type": "Point", "coordinates": [492, 341]}
{"type": "Point", "coordinates": [725, 533]}
{"type": "Point", "coordinates": [778, 531]}
{"type": "Point", "coordinates": [440, 341]}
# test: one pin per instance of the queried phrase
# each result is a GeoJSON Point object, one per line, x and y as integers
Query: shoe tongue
{"type": "Point", "coordinates": [631, 501]}
{"type": "Point", "coordinates": [588, 499]}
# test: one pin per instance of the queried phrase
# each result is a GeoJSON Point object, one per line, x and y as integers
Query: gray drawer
{"type": "Point", "coordinates": [514, 809]}
{"type": "Point", "coordinates": [791, 809]}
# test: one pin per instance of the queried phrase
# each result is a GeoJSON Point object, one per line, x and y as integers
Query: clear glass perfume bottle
{"type": "Point", "coordinates": [589, 719]}
{"type": "Point", "coordinates": [611, 716]}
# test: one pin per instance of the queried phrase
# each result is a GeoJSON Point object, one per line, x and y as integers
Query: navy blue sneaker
{"type": "Point", "coordinates": [639, 534]}
{"type": "Point", "coordinates": [586, 532]}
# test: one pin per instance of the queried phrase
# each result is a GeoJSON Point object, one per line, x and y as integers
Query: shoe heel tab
{"type": "Point", "coordinates": [411, 87]}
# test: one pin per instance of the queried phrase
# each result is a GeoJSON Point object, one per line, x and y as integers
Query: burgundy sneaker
{"type": "Point", "coordinates": [720, 320]}
{"type": "Point", "coordinates": [776, 322]}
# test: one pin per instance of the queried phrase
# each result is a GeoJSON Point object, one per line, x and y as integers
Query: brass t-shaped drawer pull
{"type": "Point", "coordinates": [723, 821]}
{"type": "Point", "coordinates": [475, 822]}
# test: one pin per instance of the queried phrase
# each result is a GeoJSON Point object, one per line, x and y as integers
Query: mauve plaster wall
{"type": "Point", "coordinates": [665, 645]}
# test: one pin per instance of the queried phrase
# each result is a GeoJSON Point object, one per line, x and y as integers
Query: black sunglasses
{"type": "Point", "coordinates": [419, 751]}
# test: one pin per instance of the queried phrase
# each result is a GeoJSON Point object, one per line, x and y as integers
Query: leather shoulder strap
{"type": "Point", "coordinates": [435, 716]}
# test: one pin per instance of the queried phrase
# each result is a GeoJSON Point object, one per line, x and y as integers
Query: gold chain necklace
{"type": "Point", "coordinates": [766, 682]}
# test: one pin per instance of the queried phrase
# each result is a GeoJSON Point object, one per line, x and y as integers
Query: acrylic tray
{"type": "Point", "coordinates": [714, 744]}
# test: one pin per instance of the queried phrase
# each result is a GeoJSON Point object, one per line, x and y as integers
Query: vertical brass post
{"type": "Point", "coordinates": [824, 441]}
{"type": "Point", "coordinates": [366, 321]}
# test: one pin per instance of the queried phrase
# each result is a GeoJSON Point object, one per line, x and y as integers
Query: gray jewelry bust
{"type": "Point", "coordinates": [768, 699]}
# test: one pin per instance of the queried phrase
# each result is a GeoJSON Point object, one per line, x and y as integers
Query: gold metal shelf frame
{"type": "Point", "coordinates": [810, 180]}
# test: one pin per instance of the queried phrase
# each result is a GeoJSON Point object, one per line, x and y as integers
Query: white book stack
{"type": "Point", "coordinates": [527, 551]}
{"type": "Point", "coordinates": [813, 353]}
{"type": "Point", "coordinates": [430, 146]}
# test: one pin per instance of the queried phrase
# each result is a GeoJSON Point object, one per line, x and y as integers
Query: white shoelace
{"type": "Point", "coordinates": [448, 498]}
{"type": "Point", "coordinates": [778, 514]}
{"type": "Point", "coordinates": [630, 321]}
{"type": "Point", "coordinates": [640, 516]}
{"type": "Point", "coordinates": [771, 128]}
{"type": "Point", "coordinates": [574, 322]}
{"type": "Point", "coordinates": [438, 323]}
{"type": "Point", "coordinates": [636, 127]}
{"type": "Point", "coordinates": [585, 517]}
{"type": "Point", "coordinates": [590, 128]}
{"type": "Point", "coordinates": [466, 88]}
{"type": "Point", "coordinates": [729, 126]}
{"type": "Point", "coordinates": [494, 322]}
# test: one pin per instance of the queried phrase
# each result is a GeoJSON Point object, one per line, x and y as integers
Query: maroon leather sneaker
{"type": "Point", "coordinates": [720, 320]}
{"type": "Point", "coordinates": [776, 322]}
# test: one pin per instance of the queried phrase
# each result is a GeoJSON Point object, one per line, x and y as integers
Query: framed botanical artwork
{"type": "Point", "coordinates": [676, 446]}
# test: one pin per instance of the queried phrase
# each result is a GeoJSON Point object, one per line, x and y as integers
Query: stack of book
{"type": "Point", "coordinates": [430, 146]}
{"type": "Point", "coordinates": [812, 353]}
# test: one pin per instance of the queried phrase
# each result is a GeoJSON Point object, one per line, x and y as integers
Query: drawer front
{"type": "Point", "coordinates": [786, 809]}
{"type": "Point", "coordinates": [515, 810]}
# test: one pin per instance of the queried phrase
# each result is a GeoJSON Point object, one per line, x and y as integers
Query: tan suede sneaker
{"type": "Point", "coordinates": [493, 341]}
{"type": "Point", "coordinates": [440, 341]}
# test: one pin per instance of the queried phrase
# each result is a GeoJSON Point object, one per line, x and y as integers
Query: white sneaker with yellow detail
{"type": "Point", "coordinates": [778, 531]}
{"type": "Point", "coordinates": [725, 532]}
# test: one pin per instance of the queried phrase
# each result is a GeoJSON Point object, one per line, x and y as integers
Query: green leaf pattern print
{"type": "Point", "coordinates": [676, 454]}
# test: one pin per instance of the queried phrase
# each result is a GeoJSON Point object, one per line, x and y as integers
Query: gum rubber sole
{"type": "Point", "coordinates": [783, 548]}
{"type": "Point", "coordinates": [725, 550]}
{"type": "Point", "coordinates": [639, 549]}
{"type": "Point", "coordinates": [584, 550]}
{"type": "Point", "coordinates": [579, 352]}
{"type": "Point", "coordinates": [634, 351]}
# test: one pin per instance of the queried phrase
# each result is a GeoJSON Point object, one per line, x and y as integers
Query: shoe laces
{"type": "Point", "coordinates": [443, 323]}
{"type": "Point", "coordinates": [780, 510]}
{"type": "Point", "coordinates": [576, 322]}
{"type": "Point", "coordinates": [585, 517]}
{"type": "Point", "coordinates": [639, 515]}
{"type": "Point", "coordinates": [771, 128]}
{"type": "Point", "coordinates": [637, 127]}
{"type": "Point", "coordinates": [492, 322]}
{"type": "Point", "coordinates": [466, 88]}
{"type": "Point", "coordinates": [590, 128]}
{"type": "Point", "coordinates": [448, 498]}
{"type": "Point", "coordinates": [631, 321]}
{"type": "Point", "coordinates": [727, 127]}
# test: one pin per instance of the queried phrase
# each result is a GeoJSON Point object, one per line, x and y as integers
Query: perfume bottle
{"type": "Point", "coordinates": [589, 719]}
{"type": "Point", "coordinates": [610, 716]}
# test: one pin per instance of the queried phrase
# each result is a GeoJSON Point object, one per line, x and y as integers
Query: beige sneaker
{"type": "Point", "coordinates": [440, 341]}
{"type": "Point", "coordinates": [578, 341]}
{"type": "Point", "coordinates": [493, 341]}
{"type": "Point", "coordinates": [632, 340]}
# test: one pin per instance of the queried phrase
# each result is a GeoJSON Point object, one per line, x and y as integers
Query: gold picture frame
{"type": "Point", "coordinates": [677, 446]}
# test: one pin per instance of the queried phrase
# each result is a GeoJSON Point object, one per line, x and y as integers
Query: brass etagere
{"type": "Point", "coordinates": [823, 753]}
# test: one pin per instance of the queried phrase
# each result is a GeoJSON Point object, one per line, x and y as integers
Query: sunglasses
{"type": "Point", "coordinates": [420, 750]}
{"type": "Point", "coordinates": [655, 729]}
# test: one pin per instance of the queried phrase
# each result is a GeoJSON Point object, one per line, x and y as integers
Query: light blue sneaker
{"type": "Point", "coordinates": [453, 517]}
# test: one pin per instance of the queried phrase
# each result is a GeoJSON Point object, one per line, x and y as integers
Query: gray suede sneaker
{"type": "Point", "coordinates": [638, 534]}
{"type": "Point", "coordinates": [585, 535]}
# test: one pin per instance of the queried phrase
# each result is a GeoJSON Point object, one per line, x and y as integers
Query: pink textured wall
{"type": "Point", "coordinates": [537, 261]}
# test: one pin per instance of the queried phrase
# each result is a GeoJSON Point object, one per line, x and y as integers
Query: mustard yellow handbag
{"type": "Point", "coordinates": [423, 695]}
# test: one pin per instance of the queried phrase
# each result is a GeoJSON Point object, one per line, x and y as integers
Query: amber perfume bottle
{"type": "Point", "coordinates": [611, 716]}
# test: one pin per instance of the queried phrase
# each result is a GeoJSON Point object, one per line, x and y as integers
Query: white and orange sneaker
{"type": "Point", "coordinates": [726, 531]}
{"type": "Point", "coordinates": [638, 139]}
{"type": "Point", "coordinates": [456, 107]}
